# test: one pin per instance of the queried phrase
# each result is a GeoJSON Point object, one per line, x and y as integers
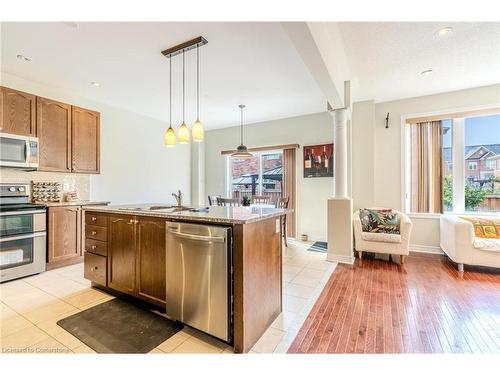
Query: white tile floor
{"type": "Point", "coordinates": [30, 308]}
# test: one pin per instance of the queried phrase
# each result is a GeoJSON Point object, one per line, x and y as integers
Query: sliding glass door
{"type": "Point", "coordinates": [262, 174]}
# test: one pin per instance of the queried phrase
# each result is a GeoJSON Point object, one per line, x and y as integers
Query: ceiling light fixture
{"type": "Point", "coordinates": [23, 58]}
{"type": "Point", "coordinates": [183, 134]}
{"type": "Point", "coordinates": [169, 138]}
{"type": "Point", "coordinates": [445, 31]}
{"type": "Point", "coordinates": [426, 72]}
{"type": "Point", "coordinates": [241, 150]}
{"type": "Point", "coordinates": [198, 132]}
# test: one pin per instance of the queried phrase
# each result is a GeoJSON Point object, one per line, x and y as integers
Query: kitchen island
{"type": "Point", "coordinates": [126, 252]}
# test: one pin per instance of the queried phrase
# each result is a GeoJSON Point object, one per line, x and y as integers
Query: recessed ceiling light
{"type": "Point", "coordinates": [445, 31]}
{"type": "Point", "coordinates": [426, 72]}
{"type": "Point", "coordinates": [95, 84]}
{"type": "Point", "coordinates": [23, 58]}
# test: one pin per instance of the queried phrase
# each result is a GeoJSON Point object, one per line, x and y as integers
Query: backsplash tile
{"type": "Point", "coordinates": [68, 181]}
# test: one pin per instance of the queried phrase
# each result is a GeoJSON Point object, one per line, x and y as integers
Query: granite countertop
{"type": "Point", "coordinates": [211, 214]}
{"type": "Point", "coordinates": [74, 203]}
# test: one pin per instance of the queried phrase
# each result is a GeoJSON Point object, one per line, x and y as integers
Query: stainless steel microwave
{"type": "Point", "coordinates": [17, 151]}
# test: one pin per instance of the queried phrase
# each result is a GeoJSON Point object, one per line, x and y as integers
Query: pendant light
{"type": "Point", "coordinates": [183, 129]}
{"type": "Point", "coordinates": [169, 138]}
{"type": "Point", "coordinates": [198, 133]}
{"type": "Point", "coordinates": [241, 150]}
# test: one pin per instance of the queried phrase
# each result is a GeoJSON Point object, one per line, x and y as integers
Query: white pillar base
{"type": "Point", "coordinates": [340, 231]}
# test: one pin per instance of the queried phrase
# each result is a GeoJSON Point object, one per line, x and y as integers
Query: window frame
{"type": "Point", "coordinates": [458, 161]}
{"type": "Point", "coordinates": [229, 169]}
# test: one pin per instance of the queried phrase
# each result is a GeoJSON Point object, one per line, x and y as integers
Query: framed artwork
{"type": "Point", "coordinates": [318, 161]}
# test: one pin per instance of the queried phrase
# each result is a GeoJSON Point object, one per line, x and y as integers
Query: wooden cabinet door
{"type": "Point", "coordinates": [151, 248]}
{"type": "Point", "coordinates": [85, 143]}
{"type": "Point", "coordinates": [121, 253]}
{"type": "Point", "coordinates": [64, 233]}
{"type": "Point", "coordinates": [17, 112]}
{"type": "Point", "coordinates": [53, 128]}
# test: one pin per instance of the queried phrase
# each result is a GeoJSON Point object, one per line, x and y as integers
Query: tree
{"type": "Point", "coordinates": [473, 196]}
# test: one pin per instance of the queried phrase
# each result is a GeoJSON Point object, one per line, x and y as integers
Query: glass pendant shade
{"type": "Point", "coordinates": [169, 138]}
{"type": "Point", "coordinates": [197, 132]}
{"type": "Point", "coordinates": [183, 134]}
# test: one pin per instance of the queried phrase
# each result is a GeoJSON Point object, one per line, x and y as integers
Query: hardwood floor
{"type": "Point", "coordinates": [424, 306]}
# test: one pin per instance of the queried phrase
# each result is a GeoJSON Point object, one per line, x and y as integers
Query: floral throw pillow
{"type": "Point", "coordinates": [485, 228]}
{"type": "Point", "coordinates": [379, 220]}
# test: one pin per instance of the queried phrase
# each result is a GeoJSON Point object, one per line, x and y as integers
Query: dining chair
{"type": "Point", "coordinates": [261, 199]}
{"type": "Point", "coordinates": [212, 200]}
{"type": "Point", "coordinates": [229, 202]}
{"type": "Point", "coordinates": [283, 203]}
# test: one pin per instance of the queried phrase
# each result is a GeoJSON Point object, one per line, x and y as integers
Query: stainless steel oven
{"type": "Point", "coordinates": [23, 233]}
{"type": "Point", "coordinates": [17, 151]}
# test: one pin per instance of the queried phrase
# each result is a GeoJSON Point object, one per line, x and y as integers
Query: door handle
{"type": "Point", "coordinates": [197, 237]}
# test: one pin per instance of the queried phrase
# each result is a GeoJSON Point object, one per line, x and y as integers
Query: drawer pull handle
{"type": "Point", "coordinates": [94, 232]}
{"type": "Point", "coordinates": [94, 218]}
{"type": "Point", "coordinates": [94, 247]}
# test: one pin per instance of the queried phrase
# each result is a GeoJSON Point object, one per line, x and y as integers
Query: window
{"type": "Point", "coordinates": [472, 165]}
{"type": "Point", "coordinates": [453, 164]}
{"type": "Point", "coordinates": [262, 174]}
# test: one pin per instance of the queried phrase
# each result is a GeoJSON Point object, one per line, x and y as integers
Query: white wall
{"type": "Point", "coordinates": [312, 193]}
{"type": "Point", "coordinates": [135, 166]}
{"type": "Point", "coordinates": [377, 150]}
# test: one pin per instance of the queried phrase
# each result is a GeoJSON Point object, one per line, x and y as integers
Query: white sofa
{"type": "Point", "coordinates": [461, 245]}
{"type": "Point", "coordinates": [396, 244]}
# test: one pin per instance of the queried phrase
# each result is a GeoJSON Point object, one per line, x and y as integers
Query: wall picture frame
{"type": "Point", "coordinates": [318, 160]}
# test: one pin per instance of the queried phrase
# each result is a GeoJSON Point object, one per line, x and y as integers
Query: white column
{"type": "Point", "coordinates": [340, 149]}
{"type": "Point", "coordinates": [340, 232]}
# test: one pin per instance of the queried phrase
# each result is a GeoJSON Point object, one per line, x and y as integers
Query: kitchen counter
{"type": "Point", "coordinates": [74, 203]}
{"type": "Point", "coordinates": [211, 214]}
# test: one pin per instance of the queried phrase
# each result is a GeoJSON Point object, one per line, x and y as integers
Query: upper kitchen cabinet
{"type": "Point", "coordinates": [85, 140]}
{"type": "Point", "coordinates": [17, 112]}
{"type": "Point", "coordinates": [53, 128]}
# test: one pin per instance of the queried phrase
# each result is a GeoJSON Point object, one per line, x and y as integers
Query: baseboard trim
{"type": "Point", "coordinates": [426, 249]}
{"type": "Point", "coordinates": [345, 259]}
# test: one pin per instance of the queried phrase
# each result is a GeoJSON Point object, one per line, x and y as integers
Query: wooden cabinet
{"type": "Point", "coordinates": [94, 268]}
{"type": "Point", "coordinates": [64, 233]}
{"type": "Point", "coordinates": [121, 253]}
{"type": "Point", "coordinates": [69, 136]}
{"type": "Point", "coordinates": [53, 129]}
{"type": "Point", "coordinates": [85, 140]}
{"type": "Point", "coordinates": [17, 112]}
{"type": "Point", "coordinates": [135, 251]}
{"type": "Point", "coordinates": [151, 253]}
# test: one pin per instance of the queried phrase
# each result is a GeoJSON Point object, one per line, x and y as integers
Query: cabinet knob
{"type": "Point", "coordinates": [94, 218]}
{"type": "Point", "coordinates": [94, 247]}
{"type": "Point", "coordinates": [94, 232]}
{"type": "Point", "coordinates": [94, 268]}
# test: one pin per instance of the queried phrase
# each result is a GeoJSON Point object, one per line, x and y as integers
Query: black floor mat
{"type": "Point", "coordinates": [319, 246]}
{"type": "Point", "coordinates": [119, 326]}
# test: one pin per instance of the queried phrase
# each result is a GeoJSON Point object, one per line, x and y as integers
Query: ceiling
{"type": "Point", "coordinates": [243, 63]}
{"type": "Point", "coordinates": [386, 58]}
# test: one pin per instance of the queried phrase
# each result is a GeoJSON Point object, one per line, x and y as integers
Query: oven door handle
{"type": "Point", "coordinates": [25, 236]}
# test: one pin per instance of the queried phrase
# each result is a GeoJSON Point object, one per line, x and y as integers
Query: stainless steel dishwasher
{"type": "Point", "coordinates": [198, 280]}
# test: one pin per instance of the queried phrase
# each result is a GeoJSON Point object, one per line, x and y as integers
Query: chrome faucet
{"type": "Point", "coordinates": [178, 198]}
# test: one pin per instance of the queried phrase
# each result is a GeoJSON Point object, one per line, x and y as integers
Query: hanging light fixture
{"type": "Point", "coordinates": [241, 150]}
{"type": "Point", "coordinates": [169, 138]}
{"type": "Point", "coordinates": [183, 133]}
{"type": "Point", "coordinates": [198, 133]}
{"type": "Point", "coordinates": [183, 129]}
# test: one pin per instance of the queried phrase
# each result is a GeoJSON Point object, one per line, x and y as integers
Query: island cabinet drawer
{"type": "Point", "coordinates": [95, 268]}
{"type": "Point", "coordinates": [96, 247]}
{"type": "Point", "coordinates": [96, 233]}
{"type": "Point", "coordinates": [91, 218]}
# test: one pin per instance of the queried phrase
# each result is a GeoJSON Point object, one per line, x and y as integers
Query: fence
{"type": "Point", "coordinates": [490, 203]}
{"type": "Point", "coordinates": [273, 194]}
